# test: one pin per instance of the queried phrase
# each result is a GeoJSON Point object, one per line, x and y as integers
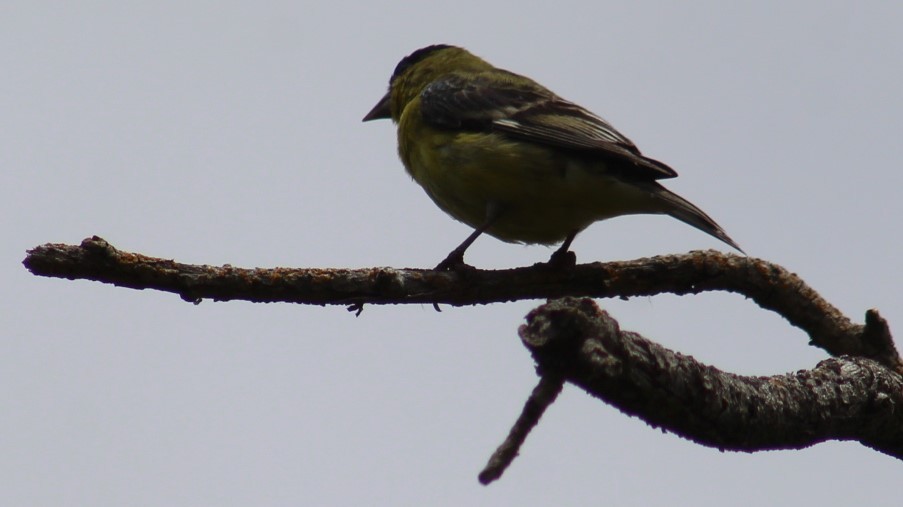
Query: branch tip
{"type": "Point", "coordinates": [877, 336]}
{"type": "Point", "coordinates": [543, 395]}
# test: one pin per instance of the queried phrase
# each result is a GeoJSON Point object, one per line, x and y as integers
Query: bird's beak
{"type": "Point", "coordinates": [382, 110]}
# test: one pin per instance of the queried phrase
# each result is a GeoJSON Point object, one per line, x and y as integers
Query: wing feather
{"type": "Point", "coordinates": [518, 107]}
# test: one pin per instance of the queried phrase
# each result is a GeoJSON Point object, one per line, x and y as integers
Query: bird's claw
{"type": "Point", "coordinates": [562, 260]}
{"type": "Point", "coordinates": [454, 262]}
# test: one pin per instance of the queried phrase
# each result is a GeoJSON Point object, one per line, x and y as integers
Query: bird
{"type": "Point", "coordinates": [508, 157]}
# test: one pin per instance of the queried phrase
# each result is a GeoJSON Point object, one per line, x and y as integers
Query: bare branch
{"type": "Point", "coordinates": [840, 399]}
{"type": "Point", "coordinates": [769, 285]}
{"type": "Point", "coordinates": [849, 398]}
{"type": "Point", "coordinates": [543, 395]}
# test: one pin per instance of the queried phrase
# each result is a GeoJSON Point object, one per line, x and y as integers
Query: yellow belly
{"type": "Point", "coordinates": [543, 194]}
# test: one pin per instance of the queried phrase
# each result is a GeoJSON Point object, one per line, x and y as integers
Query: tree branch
{"type": "Point", "coordinates": [769, 285]}
{"type": "Point", "coordinates": [846, 398]}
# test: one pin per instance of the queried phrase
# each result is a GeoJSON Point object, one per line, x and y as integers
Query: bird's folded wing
{"type": "Point", "coordinates": [516, 106]}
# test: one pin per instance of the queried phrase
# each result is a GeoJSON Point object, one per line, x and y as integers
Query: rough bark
{"type": "Point", "coordinates": [846, 398]}
{"type": "Point", "coordinates": [857, 395]}
{"type": "Point", "coordinates": [769, 285]}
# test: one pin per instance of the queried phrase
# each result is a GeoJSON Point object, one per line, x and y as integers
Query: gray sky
{"type": "Point", "coordinates": [224, 132]}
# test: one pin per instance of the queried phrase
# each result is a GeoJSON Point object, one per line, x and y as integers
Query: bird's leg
{"type": "Point", "coordinates": [456, 257]}
{"type": "Point", "coordinates": [563, 258]}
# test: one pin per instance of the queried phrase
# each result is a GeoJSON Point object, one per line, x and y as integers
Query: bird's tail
{"type": "Point", "coordinates": [687, 212]}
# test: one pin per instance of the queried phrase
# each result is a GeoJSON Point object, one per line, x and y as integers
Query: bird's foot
{"type": "Point", "coordinates": [565, 259]}
{"type": "Point", "coordinates": [454, 262]}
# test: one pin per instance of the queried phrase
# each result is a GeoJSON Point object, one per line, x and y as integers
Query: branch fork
{"type": "Point", "coordinates": [855, 395]}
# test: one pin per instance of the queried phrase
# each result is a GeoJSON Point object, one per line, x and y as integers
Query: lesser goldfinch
{"type": "Point", "coordinates": [506, 156]}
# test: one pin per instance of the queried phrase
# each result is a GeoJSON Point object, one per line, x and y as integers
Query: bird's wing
{"type": "Point", "coordinates": [513, 105]}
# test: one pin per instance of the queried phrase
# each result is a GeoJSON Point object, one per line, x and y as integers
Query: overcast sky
{"type": "Point", "coordinates": [226, 132]}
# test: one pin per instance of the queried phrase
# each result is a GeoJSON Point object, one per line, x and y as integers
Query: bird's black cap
{"type": "Point", "coordinates": [415, 57]}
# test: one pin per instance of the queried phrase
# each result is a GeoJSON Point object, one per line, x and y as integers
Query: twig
{"type": "Point", "coordinates": [543, 395]}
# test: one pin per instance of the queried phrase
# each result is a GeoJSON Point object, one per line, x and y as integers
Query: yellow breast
{"type": "Point", "coordinates": [543, 193]}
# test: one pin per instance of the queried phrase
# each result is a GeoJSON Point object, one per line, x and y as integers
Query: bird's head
{"type": "Point", "coordinates": [416, 71]}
